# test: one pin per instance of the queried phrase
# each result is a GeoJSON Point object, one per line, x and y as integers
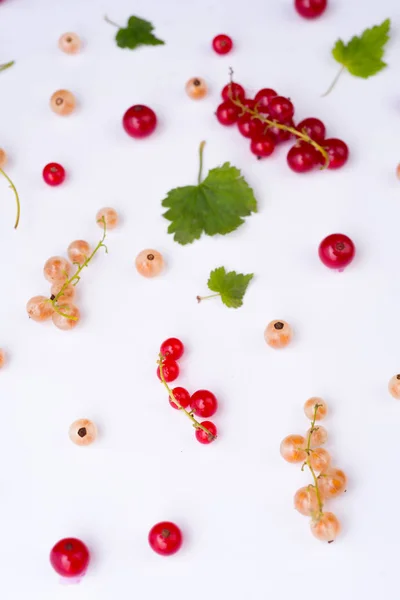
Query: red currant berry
{"type": "Point", "coordinates": [54, 174]}
{"type": "Point", "coordinates": [302, 157]}
{"type": "Point", "coordinates": [336, 251]}
{"type": "Point", "coordinates": [222, 44]}
{"type": "Point", "coordinates": [310, 9]}
{"type": "Point", "coordinates": [173, 348]}
{"type": "Point", "coordinates": [249, 127]}
{"type": "Point", "coordinates": [262, 145]}
{"type": "Point", "coordinates": [233, 90]}
{"type": "Point", "coordinates": [249, 103]}
{"type": "Point", "coordinates": [204, 404]}
{"type": "Point", "coordinates": [314, 128]}
{"type": "Point", "coordinates": [69, 557]}
{"type": "Point", "coordinates": [227, 113]}
{"type": "Point", "coordinates": [338, 153]}
{"type": "Point", "coordinates": [182, 396]}
{"type": "Point", "coordinates": [262, 99]}
{"type": "Point", "coordinates": [165, 538]}
{"type": "Point", "coordinates": [139, 121]}
{"type": "Point", "coordinates": [281, 135]}
{"type": "Point", "coordinates": [170, 370]}
{"type": "Point", "coordinates": [202, 436]}
{"type": "Point", "coordinates": [281, 109]}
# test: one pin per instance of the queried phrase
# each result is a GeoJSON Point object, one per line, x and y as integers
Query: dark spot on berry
{"type": "Point", "coordinates": [331, 541]}
{"type": "Point", "coordinates": [59, 101]}
{"type": "Point", "coordinates": [82, 432]}
{"type": "Point", "coordinates": [196, 82]}
{"type": "Point", "coordinates": [165, 533]}
{"type": "Point", "coordinates": [339, 246]}
{"type": "Point", "coordinates": [138, 108]}
{"type": "Point", "coordinates": [69, 547]}
{"type": "Point", "coordinates": [52, 297]}
{"type": "Point", "coordinates": [150, 257]}
{"type": "Point", "coordinates": [278, 325]}
{"type": "Point", "coordinates": [53, 169]}
{"type": "Point", "coordinates": [68, 39]}
{"type": "Point", "coordinates": [258, 157]}
{"type": "Point", "coordinates": [397, 376]}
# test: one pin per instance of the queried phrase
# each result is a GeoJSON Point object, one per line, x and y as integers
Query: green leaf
{"type": "Point", "coordinates": [363, 55]}
{"type": "Point", "coordinates": [231, 286]}
{"type": "Point", "coordinates": [216, 206]}
{"type": "Point", "coordinates": [137, 33]}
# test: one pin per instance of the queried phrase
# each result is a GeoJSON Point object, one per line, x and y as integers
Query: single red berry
{"type": "Point", "coordinates": [222, 44]}
{"type": "Point", "coordinates": [302, 157]}
{"type": "Point", "coordinates": [54, 174]}
{"type": "Point", "coordinates": [182, 396]}
{"type": "Point", "coordinates": [203, 403]}
{"type": "Point", "coordinates": [262, 145]}
{"type": "Point", "coordinates": [70, 557]}
{"type": "Point", "coordinates": [233, 91]}
{"type": "Point", "coordinates": [173, 348]}
{"type": "Point", "coordinates": [314, 128]}
{"type": "Point", "coordinates": [338, 153]}
{"type": "Point", "coordinates": [249, 102]}
{"type": "Point", "coordinates": [336, 251]}
{"type": "Point", "coordinates": [263, 97]}
{"type": "Point", "coordinates": [170, 370]}
{"type": "Point", "coordinates": [206, 438]}
{"type": "Point", "coordinates": [281, 135]}
{"type": "Point", "coordinates": [310, 9]}
{"type": "Point", "coordinates": [249, 127]}
{"type": "Point", "coordinates": [165, 538]}
{"type": "Point", "coordinates": [227, 113]}
{"type": "Point", "coordinates": [139, 121]}
{"type": "Point", "coordinates": [280, 108]}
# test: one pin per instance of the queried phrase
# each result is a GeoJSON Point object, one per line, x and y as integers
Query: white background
{"type": "Point", "coordinates": [232, 499]}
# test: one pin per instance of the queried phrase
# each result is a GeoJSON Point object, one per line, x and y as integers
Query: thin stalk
{"type": "Point", "coordinates": [5, 66]}
{"type": "Point", "coordinates": [111, 22]}
{"type": "Point", "coordinates": [14, 189]}
{"type": "Point", "coordinates": [308, 450]}
{"type": "Point", "coordinates": [201, 150]}
{"type": "Point", "coordinates": [200, 298]}
{"type": "Point", "coordinates": [334, 82]}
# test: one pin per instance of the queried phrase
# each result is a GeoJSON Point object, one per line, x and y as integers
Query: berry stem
{"type": "Point", "coordinates": [112, 22]}
{"type": "Point", "coordinates": [5, 66]}
{"type": "Point", "coordinates": [75, 278]}
{"type": "Point", "coordinates": [201, 150]}
{"type": "Point", "coordinates": [200, 298]}
{"type": "Point", "coordinates": [308, 463]}
{"type": "Point", "coordinates": [196, 424]}
{"type": "Point", "coordinates": [334, 82]}
{"type": "Point", "coordinates": [12, 186]}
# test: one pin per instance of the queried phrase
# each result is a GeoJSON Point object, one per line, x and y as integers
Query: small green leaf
{"type": "Point", "coordinates": [230, 286]}
{"type": "Point", "coordinates": [138, 32]}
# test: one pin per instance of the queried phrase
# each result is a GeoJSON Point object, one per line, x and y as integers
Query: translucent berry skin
{"type": "Point", "coordinates": [172, 348]}
{"type": "Point", "coordinates": [204, 404]}
{"type": "Point", "coordinates": [280, 108]}
{"type": "Point", "coordinates": [165, 538]}
{"type": "Point", "coordinates": [196, 88]}
{"type": "Point", "coordinates": [292, 448]}
{"type": "Point", "coordinates": [332, 483]}
{"type": "Point", "coordinates": [110, 216]}
{"type": "Point", "coordinates": [202, 436]}
{"type": "Point", "coordinates": [278, 334]}
{"type": "Point", "coordinates": [336, 251]}
{"type": "Point", "coordinates": [83, 432]}
{"type": "Point", "coordinates": [68, 294]}
{"type": "Point", "coordinates": [310, 9]}
{"type": "Point", "coordinates": [227, 113]}
{"type": "Point", "coordinates": [182, 396]}
{"type": "Point", "coordinates": [65, 323]}
{"type": "Point", "coordinates": [54, 174]}
{"type": "Point", "coordinates": [262, 145]}
{"type": "Point", "coordinates": [78, 251]}
{"type": "Point", "coordinates": [302, 157]}
{"type": "Point", "coordinates": [326, 528]}
{"type": "Point", "coordinates": [314, 128]}
{"type": "Point", "coordinates": [70, 557]}
{"type": "Point", "coordinates": [69, 43]}
{"type": "Point", "coordinates": [394, 387]}
{"type": "Point", "coordinates": [39, 309]}
{"type": "Point", "coordinates": [3, 158]}
{"type": "Point", "coordinates": [139, 121]}
{"type": "Point", "coordinates": [170, 370]}
{"type": "Point", "coordinates": [222, 44]}
{"type": "Point", "coordinates": [249, 127]}
{"type": "Point", "coordinates": [318, 436]}
{"type": "Point", "coordinates": [320, 460]}
{"type": "Point", "coordinates": [63, 103]}
{"type": "Point", "coordinates": [149, 263]}
{"type": "Point", "coordinates": [263, 97]}
{"type": "Point", "coordinates": [338, 153]}
{"type": "Point", "coordinates": [233, 91]}
{"type": "Point", "coordinates": [57, 269]}
{"type": "Point", "coordinates": [309, 408]}
{"type": "Point", "coordinates": [306, 501]}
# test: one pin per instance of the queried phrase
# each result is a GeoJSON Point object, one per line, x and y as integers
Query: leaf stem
{"type": "Point", "coordinates": [196, 424]}
{"type": "Point", "coordinates": [201, 150]}
{"type": "Point", "coordinates": [5, 66]}
{"type": "Point", "coordinates": [200, 298]}
{"type": "Point", "coordinates": [111, 22]}
{"type": "Point", "coordinates": [334, 82]}
{"type": "Point", "coordinates": [75, 278]}
{"type": "Point", "coordinates": [308, 451]}
{"type": "Point", "coordinates": [14, 189]}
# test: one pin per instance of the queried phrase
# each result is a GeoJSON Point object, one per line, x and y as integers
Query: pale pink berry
{"type": "Point", "coordinates": [309, 409]}
{"type": "Point", "coordinates": [39, 308]}
{"type": "Point", "coordinates": [83, 432]}
{"type": "Point", "coordinates": [78, 251]}
{"type": "Point", "coordinates": [63, 103]}
{"type": "Point", "coordinates": [69, 319]}
{"type": "Point", "coordinates": [318, 436]}
{"type": "Point", "coordinates": [278, 334]}
{"type": "Point", "coordinates": [394, 387]}
{"type": "Point", "coordinates": [292, 448]}
{"type": "Point", "coordinates": [149, 263]}
{"type": "Point", "coordinates": [332, 483]}
{"type": "Point", "coordinates": [57, 269]}
{"type": "Point", "coordinates": [326, 528]}
{"type": "Point", "coordinates": [68, 293]}
{"type": "Point", "coordinates": [306, 501]}
{"type": "Point", "coordinates": [3, 158]}
{"type": "Point", "coordinates": [110, 217]}
{"type": "Point", "coordinates": [320, 459]}
{"type": "Point", "coordinates": [69, 43]}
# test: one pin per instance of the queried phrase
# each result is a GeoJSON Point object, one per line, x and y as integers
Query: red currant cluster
{"type": "Point", "coordinates": [202, 403]}
{"type": "Point", "coordinates": [267, 120]}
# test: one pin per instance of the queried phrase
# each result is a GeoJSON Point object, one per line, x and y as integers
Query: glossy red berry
{"type": "Point", "coordinates": [314, 128]}
{"type": "Point", "coordinates": [139, 121]}
{"type": "Point", "coordinates": [249, 102]}
{"type": "Point", "coordinates": [250, 127]}
{"type": "Point", "coordinates": [338, 153]}
{"type": "Point", "coordinates": [222, 44]}
{"type": "Point", "coordinates": [165, 538]}
{"type": "Point", "coordinates": [206, 438]}
{"type": "Point", "coordinates": [227, 113]}
{"type": "Point", "coordinates": [280, 108]}
{"type": "Point", "coordinates": [233, 90]}
{"type": "Point", "coordinates": [336, 251]}
{"type": "Point", "coordinates": [204, 404]}
{"type": "Point", "coordinates": [263, 97]}
{"type": "Point", "coordinates": [70, 557]}
{"type": "Point", "coordinates": [302, 157]}
{"type": "Point", "coordinates": [262, 145]}
{"type": "Point", "coordinates": [182, 396]}
{"type": "Point", "coordinates": [170, 370]}
{"type": "Point", "coordinates": [310, 9]}
{"type": "Point", "coordinates": [54, 174]}
{"type": "Point", "coordinates": [281, 135]}
{"type": "Point", "coordinates": [173, 348]}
